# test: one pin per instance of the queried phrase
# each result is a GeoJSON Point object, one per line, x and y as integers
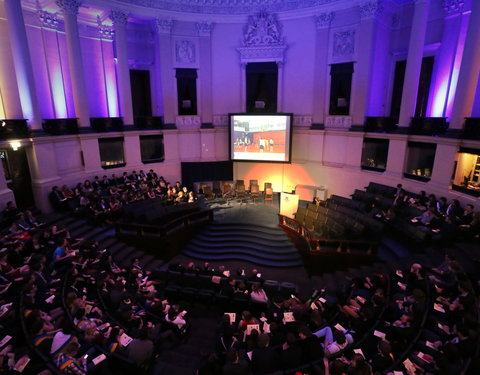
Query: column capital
{"type": "Point", "coordinates": [163, 25]}
{"type": "Point", "coordinates": [204, 28]}
{"type": "Point", "coordinates": [452, 7]}
{"type": "Point", "coordinates": [118, 17]}
{"type": "Point", "coordinates": [105, 32]}
{"type": "Point", "coordinates": [370, 9]}
{"type": "Point", "coordinates": [47, 19]}
{"type": "Point", "coordinates": [69, 6]}
{"type": "Point", "coordinates": [324, 20]}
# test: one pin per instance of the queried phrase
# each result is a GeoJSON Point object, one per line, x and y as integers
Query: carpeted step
{"type": "Point", "coordinates": [265, 254]}
{"type": "Point", "coordinates": [241, 228]}
{"type": "Point", "coordinates": [244, 245]}
{"type": "Point", "coordinates": [247, 258]}
{"type": "Point", "coordinates": [259, 237]}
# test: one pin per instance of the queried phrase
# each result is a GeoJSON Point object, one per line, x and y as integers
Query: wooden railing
{"type": "Point", "coordinates": [165, 229]}
{"type": "Point", "coordinates": [167, 239]}
{"type": "Point", "coordinates": [321, 254]}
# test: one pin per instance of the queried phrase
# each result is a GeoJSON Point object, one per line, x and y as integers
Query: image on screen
{"type": "Point", "coordinates": [260, 137]}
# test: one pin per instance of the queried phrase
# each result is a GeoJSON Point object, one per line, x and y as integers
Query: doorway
{"type": "Point", "coordinates": [17, 174]}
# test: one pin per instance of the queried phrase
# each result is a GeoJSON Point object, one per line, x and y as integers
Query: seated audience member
{"type": "Point", "coordinates": [427, 217]}
{"type": "Point", "coordinates": [340, 341]}
{"type": "Point", "coordinates": [454, 209]}
{"type": "Point", "coordinates": [176, 317]}
{"type": "Point", "coordinates": [10, 211]}
{"type": "Point", "coordinates": [68, 363]}
{"type": "Point", "coordinates": [291, 354]}
{"type": "Point", "coordinates": [258, 294]}
{"type": "Point", "coordinates": [310, 344]}
{"type": "Point", "coordinates": [265, 359]}
{"type": "Point", "coordinates": [383, 359]}
{"type": "Point", "coordinates": [468, 214]}
{"type": "Point", "coordinates": [442, 206]}
{"type": "Point", "coordinates": [140, 350]}
{"type": "Point", "coordinates": [235, 365]}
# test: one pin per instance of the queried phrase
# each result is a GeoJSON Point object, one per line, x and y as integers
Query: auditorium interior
{"type": "Point", "coordinates": [240, 187]}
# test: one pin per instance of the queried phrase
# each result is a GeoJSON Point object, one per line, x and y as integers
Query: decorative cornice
{"type": "Point", "coordinates": [105, 32]}
{"type": "Point", "coordinates": [230, 7]}
{"type": "Point", "coordinates": [453, 6]}
{"type": "Point", "coordinates": [204, 28]}
{"type": "Point", "coordinates": [163, 25]}
{"type": "Point", "coordinates": [47, 19]}
{"type": "Point", "coordinates": [370, 9]}
{"type": "Point", "coordinates": [324, 20]}
{"type": "Point", "coordinates": [265, 53]}
{"type": "Point", "coordinates": [69, 6]}
{"type": "Point", "coordinates": [118, 17]}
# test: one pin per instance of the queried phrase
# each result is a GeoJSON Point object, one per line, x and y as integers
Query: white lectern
{"type": "Point", "coordinates": [288, 204]}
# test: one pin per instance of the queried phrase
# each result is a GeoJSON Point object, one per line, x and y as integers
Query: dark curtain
{"type": "Point", "coordinates": [424, 86]}
{"type": "Point", "coordinates": [206, 171]}
{"type": "Point", "coordinates": [340, 88]}
{"type": "Point", "coordinates": [141, 98]}
{"type": "Point", "coordinates": [398, 80]}
{"type": "Point", "coordinates": [262, 85]}
{"type": "Point", "coordinates": [186, 91]}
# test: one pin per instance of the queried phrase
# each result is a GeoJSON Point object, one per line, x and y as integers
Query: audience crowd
{"type": "Point", "coordinates": [439, 218]}
{"type": "Point", "coordinates": [103, 198]}
{"type": "Point", "coordinates": [66, 306]}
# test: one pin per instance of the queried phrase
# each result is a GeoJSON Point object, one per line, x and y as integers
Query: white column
{"type": "Point", "coordinates": [443, 165]}
{"type": "Point", "coordinates": [23, 63]}
{"type": "Point", "coordinates": [10, 105]}
{"type": "Point", "coordinates": [469, 71]}
{"type": "Point", "coordinates": [444, 62]}
{"type": "Point", "coordinates": [133, 156]}
{"type": "Point", "coordinates": [323, 22]}
{"type": "Point", "coordinates": [280, 86]}
{"type": "Point", "coordinates": [70, 10]}
{"type": "Point", "coordinates": [120, 19]}
{"type": "Point", "coordinates": [368, 12]}
{"type": "Point", "coordinates": [163, 27]}
{"type": "Point", "coordinates": [414, 62]}
{"type": "Point", "coordinates": [42, 161]}
{"type": "Point", "coordinates": [397, 153]}
{"type": "Point", "coordinates": [205, 72]}
{"type": "Point", "coordinates": [243, 85]}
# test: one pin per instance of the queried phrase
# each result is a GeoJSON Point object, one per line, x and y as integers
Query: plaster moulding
{"type": "Point", "coordinates": [262, 39]}
{"type": "Point", "coordinates": [338, 122]}
{"type": "Point", "coordinates": [185, 52]}
{"type": "Point", "coordinates": [188, 122]}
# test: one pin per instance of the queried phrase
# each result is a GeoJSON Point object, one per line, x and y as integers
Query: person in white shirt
{"type": "Point", "coordinates": [258, 294]}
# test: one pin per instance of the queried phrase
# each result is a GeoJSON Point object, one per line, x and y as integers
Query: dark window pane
{"type": "Point", "coordinates": [111, 152]}
{"type": "Point", "coordinates": [374, 154]}
{"type": "Point", "coordinates": [151, 147]}
{"type": "Point", "coordinates": [420, 159]}
{"type": "Point", "coordinates": [186, 91]}
{"type": "Point", "coordinates": [340, 88]}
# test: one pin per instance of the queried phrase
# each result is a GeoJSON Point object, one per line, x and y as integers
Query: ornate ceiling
{"type": "Point", "coordinates": [228, 6]}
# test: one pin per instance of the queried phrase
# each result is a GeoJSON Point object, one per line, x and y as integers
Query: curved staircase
{"type": "Point", "coordinates": [263, 245]}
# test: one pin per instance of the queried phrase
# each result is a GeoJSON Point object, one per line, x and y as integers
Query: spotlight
{"type": "Point", "coordinates": [15, 145]}
{"type": "Point", "coordinates": [3, 124]}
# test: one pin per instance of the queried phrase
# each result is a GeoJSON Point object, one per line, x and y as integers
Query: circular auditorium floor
{"type": "Point", "coordinates": [245, 235]}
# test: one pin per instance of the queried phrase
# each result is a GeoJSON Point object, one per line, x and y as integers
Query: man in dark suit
{"type": "Point", "coordinates": [265, 359]}
{"type": "Point", "coordinates": [291, 353]}
{"type": "Point", "coordinates": [311, 346]}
